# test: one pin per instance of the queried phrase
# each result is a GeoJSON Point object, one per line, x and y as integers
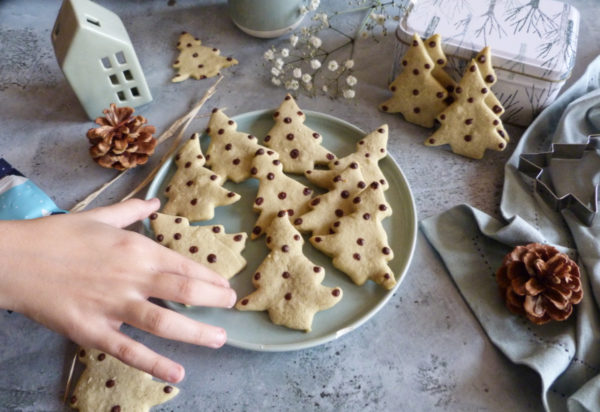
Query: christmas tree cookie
{"type": "Point", "coordinates": [276, 191]}
{"type": "Point", "coordinates": [418, 95]}
{"type": "Point", "coordinates": [209, 245]}
{"type": "Point", "coordinates": [468, 125]}
{"type": "Point", "coordinates": [299, 147]}
{"type": "Point", "coordinates": [194, 191]}
{"type": "Point", "coordinates": [230, 152]}
{"type": "Point", "coordinates": [197, 61]}
{"type": "Point", "coordinates": [107, 384]}
{"type": "Point", "coordinates": [358, 244]}
{"type": "Point", "coordinates": [329, 207]}
{"type": "Point", "coordinates": [435, 51]}
{"type": "Point", "coordinates": [369, 151]}
{"type": "Point", "coordinates": [288, 285]}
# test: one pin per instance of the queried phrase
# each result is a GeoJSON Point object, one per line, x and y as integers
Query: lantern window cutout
{"type": "Point", "coordinates": [95, 53]}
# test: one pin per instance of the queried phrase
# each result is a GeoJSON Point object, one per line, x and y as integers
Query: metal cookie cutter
{"type": "Point", "coordinates": [534, 164]}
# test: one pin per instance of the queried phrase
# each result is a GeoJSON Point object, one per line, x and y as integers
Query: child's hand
{"type": "Point", "coordinates": [83, 276]}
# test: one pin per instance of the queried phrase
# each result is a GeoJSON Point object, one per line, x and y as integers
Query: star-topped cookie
{"type": "Point", "coordinates": [276, 191]}
{"type": "Point", "coordinates": [197, 61]}
{"type": "Point", "coordinates": [358, 244]}
{"type": "Point", "coordinates": [288, 285]}
{"type": "Point", "coordinates": [299, 147]}
{"type": "Point", "coordinates": [107, 384]}
{"type": "Point", "coordinates": [468, 125]}
{"type": "Point", "coordinates": [230, 153]}
{"type": "Point", "coordinates": [369, 151]}
{"type": "Point", "coordinates": [329, 207]}
{"type": "Point", "coordinates": [194, 191]}
{"type": "Point", "coordinates": [209, 245]}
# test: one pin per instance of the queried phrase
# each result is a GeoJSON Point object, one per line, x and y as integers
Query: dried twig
{"type": "Point", "coordinates": [69, 378]}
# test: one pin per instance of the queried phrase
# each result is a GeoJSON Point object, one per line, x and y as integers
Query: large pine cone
{"type": "Point", "coordinates": [122, 141]}
{"type": "Point", "coordinates": [539, 282]}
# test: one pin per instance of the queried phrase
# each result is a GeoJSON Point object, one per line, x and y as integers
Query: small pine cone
{"type": "Point", "coordinates": [122, 141]}
{"type": "Point", "coordinates": [539, 282]}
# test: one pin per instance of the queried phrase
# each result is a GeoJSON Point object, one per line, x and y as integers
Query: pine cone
{"type": "Point", "coordinates": [539, 282]}
{"type": "Point", "coordinates": [122, 141]}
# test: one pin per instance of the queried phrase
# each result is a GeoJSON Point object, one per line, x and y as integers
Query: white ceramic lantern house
{"type": "Point", "coordinates": [96, 56]}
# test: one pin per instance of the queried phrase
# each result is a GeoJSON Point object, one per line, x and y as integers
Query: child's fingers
{"type": "Point", "coordinates": [139, 356]}
{"type": "Point", "coordinates": [124, 213]}
{"type": "Point", "coordinates": [190, 291]}
{"type": "Point", "coordinates": [172, 325]}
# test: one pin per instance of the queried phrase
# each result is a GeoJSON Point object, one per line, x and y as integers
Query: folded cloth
{"type": "Point", "coordinates": [472, 244]}
{"type": "Point", "coordinates": [20, 198]}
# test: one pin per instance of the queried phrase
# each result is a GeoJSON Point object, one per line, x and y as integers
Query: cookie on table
{"type": "Point", "coordinates": [484, 62]}
{"type": "Point", "coordinates": [468, 125]}
{"type": "Point", "coordinates": [417, 94]}
{"type": "Point", "coordinates": [230, 152]}
{"type": "Point", "coordinates": [194, 191]}
{"type": "Point", "coordinates": [299, 146]}
{"type": "Point", "coordinates": [436, 52]}
{"type": "Point", "coordinates": [276, 191]}
{"type": "Point", "coordinates": [209, 245]}
{"type": "Point", "coordinates": [107, 384]}
{"type": "Point", "coordinates": [359, 245]}
{"type": "Point", "coordinates": [197, 61]}
{"type": "Point", "coordinates": [330, 206]}
{"type": "Point", "coordinates": [369, 150]}
{"type": "Point", "coordinates": [288, 285]}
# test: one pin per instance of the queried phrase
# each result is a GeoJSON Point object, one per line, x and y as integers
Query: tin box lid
{"type": "Point", "coordinates": [537, 38]}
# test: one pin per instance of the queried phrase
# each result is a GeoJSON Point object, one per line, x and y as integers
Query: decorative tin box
{"type": "Point", "coordinates": [95, 53]}
{"type": "Point", "coordinates": [533, 45]}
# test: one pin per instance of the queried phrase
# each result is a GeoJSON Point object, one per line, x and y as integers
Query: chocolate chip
{"type": "Point", "coordinates": [251, 137]}
{"type": "Point", "coordinates": [281, 213]}
{"type": "Point", "coordinates": [193, 249]}
{"type": "Point", "coordinates": [404, 62]}
{"type": "Point", "coordinates": [470, 100]}
{"type": "Point", "coordinates": [270, 176]}
{"type": "Point", "coordinates": [345, 194]}
{"type": "Point", "coordinates": [472, 68]}
{"type": "Point", "coordinates": [267, 138]}
{"type": "Point", "coordinates": [296, 237]}
{"type": "Point", "coordinates": [153, 216]}
{"type": "Point", "coordinates": [386, 250]}
{"type": "Point", "coordinates": [213, 177]}
{"type": "Point", "coordinates": [188, 164]}
{"type": "Point", "coordinates": [253, 171]}
{"type": "Point", "coordinates": [415, 43]}
{"type": "Point", "coordinates": [299, 113]}
{"type": "Point", "coordinates": [497, 109]}
{"type": "Point", "coordinates": [336, 224]}
{"type": "Point", "coordinates": [481, 59]}
{"type": "Point", "coordinates": [236, 161]}
{"type": "Point", "coordinates": [168, 189]}
{"type": "Point", "coordinates": [212, 258]}
{"type": "Point", "coordinates": [440, 61]}
{"type": "Point", "coordinates": [276, 162]}
{"type": "Point", "coordinates": [335, 292]}
{"type": "Point", "coordinates": [177, 220]}
{"type": "Point", "coordinates": [315, 201]}
{"type": "Point", "coordinates": [442, 116]}
{"type": "Point", "coordinates": [276, 114]}
{"type": "Point", "coordinates": [290, 136]}
{"type": "Point", "coordinates": [282, 195]}
{"type": "Point", "coordinates": [382, 182]}
{"type": "Point", "coordinates": [160, 238]}
{"type": "Point", "coordinates": [230, 122]}
{"type": "Point", "coordinates": [110, 383]}
{"type": "Point", "coordinates": [257, 276]}
{"type": "Point", "coordinates": [244, 302]}
{"type": "Point", "coordinates": [288, 296]}
{"type": "Point", "coordinates": [287, 120]}
{"type": "Point", "coordinates": [228, 146]}
{"type": "Point", "coordinates": [431, 141]}
{"type": "Point", "coordinates": [260, 151]}
{"type": "Point", "coordinates": [298, 221]}
{"type": "Point", "coordinates": [339, 212]}
{"type": "Point", "coordinates": [285, 248]}
{"type": "Point", "coordinates": [285, 275]}
{"type": "Point", "coordinates": [439, 95]}
{"type": "Point", "coordinates": [361, 185]}
{"type": "Point", "coordinates": [458, 90]}
{"type": "Point", "coordinates": [316, 135]}
{"type": "Point", "coordinates": [374, 185]}
{"type": "Point", "coordinates": [360, 241]}
{"type": "Point", "coordinates": [469, 121]}
{"type": "Point", "coordinates": [294, 153]}
{"type": "Point", "coordinates": [416, 72]}
{"type": "Point", "coordinates": [432, 44]}
{"type": "Point", "coordinates": [386, 276]}
{"type": "Point", "coordinates": [415, 92]}
{"type": "Point", "coordinates": [318, 239]}
{"type": "Point", "coordinates": [427, 66]}
{"type": "Point", "coordinates": [354, 165]}
{"type": "Point", "coordinates": [73, 399]}
{"type": "Point", "coordinates": [168, 389]}
{"type": "Point", "coordinates": [306, 191]}
{"type": "Point", "coordinates": [417, 110]}
{"type": "Point", "coordinates": [356, 200]}
{"type": "Point", "coordinates": [366, 216]}
{"type": "Point", "coordinates": [356, 256]}
{"type": "Point", "coordinates": [269, 239]}
{"type": "Point", "coordinates": [101, 357]}
{"type": "Point", "coordinates": [259, 201]}
{"type": "Point", "coordinates": [238, 238]}
{"type": "Point", "coordinates": [501, 145]}
{"type": "Point", "coordinates": [501, 133]}
{"type": "Point", "coordinates": [115, 408]}
{"type": "Point", "coordinates": [489, 78]}
{"type": "Point", "coordinates": [193, 202]}
{"type": "Point", "coordinates": [496, 122]}
{"type": "Point", "coordinates": [221, 131]}
{"type": "Point", "coordinates": [287, 97]}
{"type": "Point", "coordinates": [484, 90]}
{"type": "Point", "coordinates": [177, 236]}
{"type": "Point", "coordinates": [216, 229]}
{"type": "Point", "coordinates": [468, 138]}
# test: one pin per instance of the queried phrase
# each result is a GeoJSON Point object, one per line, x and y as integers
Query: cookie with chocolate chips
{"type": "Point", "coordinates": [209, 245]}
{"type": "Point", "coordinates": [230, 152]}
{"type": "Point", "coordinates": [276, 191]}
{"type": "Point", "coordinates": [197, 61]}
{"type": "Point", "coordinates": [288, 285]}
{"type": "Point", "coordinates": [107, 384]}
{"type": "Point", "coordinates": [358, 242]}
{"type": "Point", "coordinates": [194, 191]}
{"type": "Point", "coordinates": [369, 150]}
{"type": "Point", "coordinates": [298, 145]}
{"type": "Point", "coordinates": [330, 206]}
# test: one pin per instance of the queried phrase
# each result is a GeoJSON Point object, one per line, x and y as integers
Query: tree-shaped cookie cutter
{"type": "Point", "coordinates": [534, 165]}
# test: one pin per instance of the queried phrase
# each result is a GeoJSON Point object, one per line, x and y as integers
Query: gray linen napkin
{"type": "Point", "coordinates": [472, 244]}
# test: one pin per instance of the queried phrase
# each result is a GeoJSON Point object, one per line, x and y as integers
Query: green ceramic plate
{"type": "Point", "coordinates": [253, 330]}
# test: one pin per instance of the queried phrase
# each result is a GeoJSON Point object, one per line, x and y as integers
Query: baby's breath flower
{"type": "Point", "coordinates": [351, 80]}
{"type": "Point", "coordinates": [305, 31]}
{"type": "Point", "coordinates": [315, 41]}
{"type": "Point", "coordinates": [269, 55]}
{"type": "Point", "coordinates": [294, 40]}
{"type": "Point", "coordinates": [306, 78]}
{"type": "Point", "coordinates": [348, 64]}
{"type": "Point", "coordinates": [333, 65]}
{"type": "Point", "coordinates": [275, 71]}
{"type": "Point", "coordinates": [303, 10]}
{"type": "Point", "coordinates": [279, 63]}
{"type": "Point", "coordinates": [314, 4]}
{"type": "Point", "coordinates": [285, 52]}
{"type": "Point", "coordinates": [292, 85]}
{"type": "Point", "coordinates": [379, 18]}
{"type": "Point", "coordinates": [308, 86]}
{"type": "Point", "coordinates": [297, 73]}
{"type": "Point", "coordinates": [349, 94]}
{"type": "Point", "coordinates": [276, 81]}
{"type": "Point", "coordinates": [324, 88]}
{"type": "Point", "coordinates": [315, 64]}
{"type": "Point", "coordinates": [322, 17]}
